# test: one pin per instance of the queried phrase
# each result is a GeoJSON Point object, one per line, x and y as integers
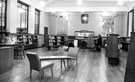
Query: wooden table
{"type": "Point", "coordinates": [61, 58]}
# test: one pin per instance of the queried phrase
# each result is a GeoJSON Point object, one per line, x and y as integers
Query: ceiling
{"type": "Point", "coordinates": [87, 5]}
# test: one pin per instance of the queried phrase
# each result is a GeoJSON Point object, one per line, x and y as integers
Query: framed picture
{"type": "Point", "coordinates": [84, 18]}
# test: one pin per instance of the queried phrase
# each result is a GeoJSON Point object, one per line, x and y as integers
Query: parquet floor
{"type": "Point", "coordinates": [92, 67]}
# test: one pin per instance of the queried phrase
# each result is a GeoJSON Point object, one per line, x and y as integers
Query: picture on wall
{"type": "Point", "coordinates": [108, 25]}
{"type": "Point", "coordinates": [61, 25]}
{"type": "Point", "coordinates": [84, 18]}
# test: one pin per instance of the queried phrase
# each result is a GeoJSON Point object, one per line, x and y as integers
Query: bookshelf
{"type": "Point", "coordinates": [125, 42]}
{"type": "Point", "coordinates": [83, 34]}
{"type": "Point", "coordinates": [56, 40]}
{"type": "Point", "coordinates": [30, 40]}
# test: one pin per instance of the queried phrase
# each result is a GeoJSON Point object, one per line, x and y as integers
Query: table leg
{"type": "Point", "coordinates": [67, 63]}
{"type": "Point", "coordinates": [61, 63]}
{"type": "Point", "coordinates": [64, 64]}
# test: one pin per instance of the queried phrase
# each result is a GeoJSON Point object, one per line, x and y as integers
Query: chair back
{"type": "Point", "coordinates": [73, 52]}
{"type": "Point", "coordinates": [34, 61]}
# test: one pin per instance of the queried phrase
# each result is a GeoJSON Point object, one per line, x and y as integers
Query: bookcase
{"type": "Point", "coordinates": [9, 39]}
{"type": "Point", "coordinates": [56, 40]}
{"type": "Point", "coordinates": [30, 40]}
{"type": "Point", "coordinates": [3, 38]}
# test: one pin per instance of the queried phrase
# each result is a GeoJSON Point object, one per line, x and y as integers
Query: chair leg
{"type": "Point", "coordinates": [20, 54]}
{"type": "Point", "coordinates": [23, 54]}
{"type": "Point", "coordinates": [30, 73]}
{"type": "Point", "coordinates": [61, 64]}
{"type": "Point", "coordinates": [40, 74]}
{"type": "Point", "coordinates": [51, 70]}
{"type": "Point", "coordinates": [67, 63]}
{"type": "Point", "coordinates": [76, 63]}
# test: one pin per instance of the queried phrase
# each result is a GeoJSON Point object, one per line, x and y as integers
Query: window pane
{"type": "Point", "coordinates": [22, 15]}
{"type": "Point", "coordinates": [2, 15]}
{"type": "Point", "coordinates": [37, 16]}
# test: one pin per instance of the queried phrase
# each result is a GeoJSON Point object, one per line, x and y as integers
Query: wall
{"type": "Point", "coordinates": [95, 24]}
{"type": "Point", "coordinates": [44, 21]}
{"type": "Point", "coordinates": [121, 24]}
{"type": "Point", "coordinates": [52, 24]}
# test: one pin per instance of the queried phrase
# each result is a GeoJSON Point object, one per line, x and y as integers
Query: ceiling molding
{"type": "Point", "coordinates": [85, 9]}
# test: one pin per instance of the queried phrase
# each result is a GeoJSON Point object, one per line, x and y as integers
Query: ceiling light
{"type": "Point", "coordinates": [64, 13]}
{"type": "Point", "coordinates": [120, 2]}
{"type": "Point", "coordinates": [42, 3]}
{"type": "Point", "coordinates": [114, 10]}
{"type": "Point", "coordinates": [53, 11]}
{"type": "Point", "coordinates": [79, 2]}
{"type": "Point", "coordinates": [105, 13]}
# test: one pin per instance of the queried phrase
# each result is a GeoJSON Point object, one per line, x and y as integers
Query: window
{"type": "Point", "coordinates": [3, 9]}
{"type": "Point", "coordinates": [22, 16]}
{"type": "Point", "coordinates": [37, 21]}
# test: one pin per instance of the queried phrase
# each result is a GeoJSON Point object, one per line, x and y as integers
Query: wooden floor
{"type": "Point", "coordinates": [92, 67]}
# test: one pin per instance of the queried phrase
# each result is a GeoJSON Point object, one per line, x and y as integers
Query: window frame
{"type": "Point", "coordinates": [37, 14]}
{"type": "Point", "coordinates": [132, 22]}
{"type": "Point", "coordinates": [3, 28]}
{"type": "Point", "coordinates": [27, 13]}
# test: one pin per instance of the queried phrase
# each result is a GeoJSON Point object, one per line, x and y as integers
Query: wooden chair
{"type": "Point", "coordinates": [19, 50]}
{"type": "Point", "coordinates": [73, 54]}
{"type": "Point", "coordinates": [36, 64]}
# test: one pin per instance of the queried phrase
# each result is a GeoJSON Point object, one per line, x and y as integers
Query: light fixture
{"type": "Point", "coordinates": [53, 11]}
{"type": "Point", "coordinates": [42, 3]}
{"type": "Point", "coordinates": [120, 2]}
{"type": "Point", "coordinates": [114, 10]}
{"type": "Point", "coordinates": [79, 2]}
{"type": "Point", "coordinates": [64, 13]}
{"type": "Point", "coordinates": [105, 13]}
